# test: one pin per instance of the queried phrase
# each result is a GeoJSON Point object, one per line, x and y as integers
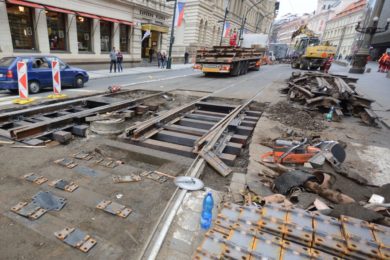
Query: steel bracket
{"type": "Point", "coordinates": [68, 163]}
{"type": "Point", "coordinates": [114, 208]}
{"type": "Point", "coordinates": [28, 210]}
{"type": "Point", "coordinates": [48, 201]}
{"type": "Point", "coordinates": [76, 238]}
{"type": "Point", "coordinates": [125, 179]}
{"type": "Point", "coordinates": [34, 178]}
{"type": "Point", "coordinates": [64, 185]}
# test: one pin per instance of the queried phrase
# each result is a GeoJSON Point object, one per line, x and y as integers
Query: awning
{"type": "Point", "coordinates": [126, 22]}
{"type": "Point", "coordinates": [154, 27]}
{"type": "Point", "coordinates": [60, 10]}
{"type": "Point", "coordinates": [23, 3]}
{"type": "Point", "coordinates": [109, 19]}
{"type": "Point", "coordinates": [88, 15]}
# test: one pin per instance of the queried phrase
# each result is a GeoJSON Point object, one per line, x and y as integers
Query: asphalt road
{"type": "Point", "coordinates": [241, 87]}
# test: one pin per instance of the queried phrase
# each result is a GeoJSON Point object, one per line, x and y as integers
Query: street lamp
{"type": "Point", "coordinates": [369, 30]}
{"type": "Point", "coordinates": [172, 39]}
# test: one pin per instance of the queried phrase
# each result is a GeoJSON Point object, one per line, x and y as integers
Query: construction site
{"type": "Point", "coordinates": [296, 161]}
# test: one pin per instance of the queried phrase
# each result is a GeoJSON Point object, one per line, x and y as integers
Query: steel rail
{"type": "Point", "coordinates": [34, 129]}
{"type": "Point", "coordinates": [150, 252]}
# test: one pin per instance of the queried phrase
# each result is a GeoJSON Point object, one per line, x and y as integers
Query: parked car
{"type": "Point", "coordinates": [39, 73]}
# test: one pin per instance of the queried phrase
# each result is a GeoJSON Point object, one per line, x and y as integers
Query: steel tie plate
{"type": "Point", "coordinates": [49, 201]}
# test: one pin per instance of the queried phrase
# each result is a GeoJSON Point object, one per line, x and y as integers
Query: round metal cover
{"type": "Point", "coordinates": [189, 183]}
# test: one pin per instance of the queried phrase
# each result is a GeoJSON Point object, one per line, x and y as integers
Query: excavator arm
{"type": "Point", "coordinates": [302, 30]}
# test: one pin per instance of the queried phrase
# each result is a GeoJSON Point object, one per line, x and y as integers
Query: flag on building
{"type": "Point", "coordinates": [146, 35]}
{"type": "Point", "coordinates": [226, 29]}
{"type": "Point", "coordinates": [179, 12]}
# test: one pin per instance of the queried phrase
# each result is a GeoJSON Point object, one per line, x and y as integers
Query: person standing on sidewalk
{"type": "Point", "coordinates": [113, 59]}
{"type": "Point", "coordinates": [159, 63]}
{"type": "Point", "coordinates": [151, 52]}
{"type": "Point", "coordinates": [328, 63]}
{"type": "Point", "coordinates": [119, 60]}
{"type": "Point", "coordinates": [163, 59]}
{"type": "Point", "coordinates": [186, 55]}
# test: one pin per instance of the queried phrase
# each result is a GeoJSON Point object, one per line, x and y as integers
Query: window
{"type": "Point", "coordinates": [40, 63]}
{"type": "Point", "coordinates": [105, 36]}
{"type": "Point", "coordinates": [84, 26]}
{"type": "Point", "coordinates": [21, 24]}
{"type": "Point", "coordinates": [56, 30]}
{"type": "Point", "coordinates": [124, 31]}
{"type": "Point", "coordinates": [6, 62]}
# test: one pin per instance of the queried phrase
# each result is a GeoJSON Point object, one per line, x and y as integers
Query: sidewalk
{"type": "Point", "coordinates": [98, 74]}
{"type": "Point", "coordinates": [373, 85]}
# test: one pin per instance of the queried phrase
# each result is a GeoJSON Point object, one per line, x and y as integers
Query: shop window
{"type": "Point", "coordinates": [124, 31]}
{"type": "Point", "coordinates": [84, 26]}
{"type": "Point", "coordinates": [56, 30]}
{"type": "Point", "coordinates": [21, 24]}
{"type": "Point", "coordinates": [105, 36]}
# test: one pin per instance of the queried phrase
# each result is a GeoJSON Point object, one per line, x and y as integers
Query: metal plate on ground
{"type": "Point", "coordinates": [189, 183]}
{"type": "Point", "coordinates": [35, 178]}
{"type": "Point", "coordinates": [49, 201]}
{"type": "Point", "coordinates": [64, 185]}
{"type": "Point", "coordinates": [69, 163]}
{"type": "Point", "coordinates": [76, 238]}
{"type": "Point", "coordinates": [28, 210]}
{"type": "Point", "coordinates": [114, 208]}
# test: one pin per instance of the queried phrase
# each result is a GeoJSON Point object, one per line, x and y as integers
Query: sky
{"type": "Point", "coordinates": [296, 6]}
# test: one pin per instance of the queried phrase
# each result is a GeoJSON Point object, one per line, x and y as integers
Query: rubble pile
{"type": "Point", "coordinates": [322, 91]}
{"type": "Point", "coordinates": [282, 111]}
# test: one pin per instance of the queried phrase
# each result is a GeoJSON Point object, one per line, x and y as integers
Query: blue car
{"type": "Point", "coordinates": [39, 73]}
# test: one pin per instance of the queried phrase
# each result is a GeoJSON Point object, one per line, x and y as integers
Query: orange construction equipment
{"type": "Point", "coordinates": [290, 152]}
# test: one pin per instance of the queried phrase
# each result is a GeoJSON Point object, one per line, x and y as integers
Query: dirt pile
{"type": "Point", "coordinates": [295, 117]}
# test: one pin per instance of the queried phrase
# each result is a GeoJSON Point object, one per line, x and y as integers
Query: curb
{"type": "Point", "coordinates": [136, 73]}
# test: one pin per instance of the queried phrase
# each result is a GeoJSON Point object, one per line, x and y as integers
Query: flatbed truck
{"type": "Point", "coordinates": [229, 60]}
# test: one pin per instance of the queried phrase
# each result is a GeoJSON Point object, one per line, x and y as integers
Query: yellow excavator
{"type": "Point", "coordinates": [309, 53]}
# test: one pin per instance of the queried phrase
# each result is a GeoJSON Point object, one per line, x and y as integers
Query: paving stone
{"type": "Point", "coordinates": [80, 130]}
{"type": "Point", "coordinates": [239, 178]}
{"type": "Point", "coordinates": [62, 136]}
{"type": "Point", "coordinates": [34, 142]}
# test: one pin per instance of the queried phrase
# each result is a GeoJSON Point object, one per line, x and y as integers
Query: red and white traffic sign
{"type": "Point", "coordinates": [22, 80]}
{"type": "Point", "coordinates": [55, 67]}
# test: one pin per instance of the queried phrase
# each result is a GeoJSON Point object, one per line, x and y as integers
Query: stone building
{"type": "Point", "coordinates": [381, 41]}
{"type": "Point", "coordinates": [340, 30]}
{"type": "Point", "coordinates": [202, 26]}
{"type": "Point", "coordinates": [83, 31]}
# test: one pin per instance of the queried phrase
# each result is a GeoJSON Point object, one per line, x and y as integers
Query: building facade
{"type": "Point", "coordinates": [83, 31]}
{"type": "Point", "coordinates": [381, 41]}
{"type": "Point", "coordinates": [340, 31]}
{"type": "Point", "coordinates": [202, 26]}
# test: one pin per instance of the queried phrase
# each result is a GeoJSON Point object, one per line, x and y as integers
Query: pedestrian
{"type": "Point", "coordinates": [186, 55]}
{"type": "Point", "coordinates": [163, 59]}
{"type": "Point", "coordinates": [387, 61]}
{"type": "Point", "coordinates": [382, 62]}
{"type": "Point", "coordinates": [151, 52]}
{"type": "Point", "coordinates": [113, 59]}
{"type": "Point", "coordinates": [328, 63]}
{"type": "Point", "coordinates": [119, 60]}
{"type": "Point", "coordinates": [159, 59]}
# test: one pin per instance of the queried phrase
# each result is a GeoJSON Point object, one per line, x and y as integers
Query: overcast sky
{"type": "Point", "coordinates": [296, 6]}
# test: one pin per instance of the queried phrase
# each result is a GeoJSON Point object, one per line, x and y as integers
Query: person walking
{"type": "Point", "coordinates": [382, 63]}
{"type": "Point", "coordinates": [113, 59]}
{"type": "Point", "coordinates": [151, 52]}
{"type": "Point", "coordinates": [119, 60]}
{"type": "Point", "coordinates": [328, 63]}
{"type": "Point", "coordinates": [159, 56]}
{"type": "Point", "coordinates": [186, 55]}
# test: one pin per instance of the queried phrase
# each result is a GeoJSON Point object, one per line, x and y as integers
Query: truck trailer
{"type": "Point", "coordinates": [229, 60]}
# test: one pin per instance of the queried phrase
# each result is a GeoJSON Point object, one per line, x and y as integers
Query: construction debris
{"type": "Point", "coordinates": [76, 238]}
{"type": "Point", "coordinates": [332, 94]}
